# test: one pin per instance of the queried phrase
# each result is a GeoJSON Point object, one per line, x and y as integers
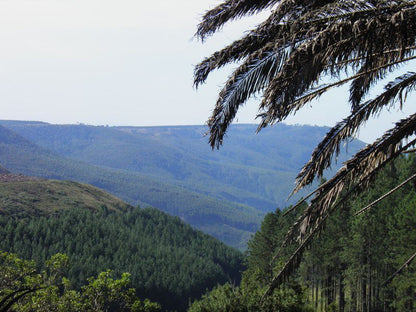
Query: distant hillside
{"type": "Point", "coordinates": [3, 170]}
{"type": "Point", "coordinates": [231, 222]}
{"type": "Point", "coordinates": [223, 192]}
{"type": "Point", "coordinates": [255, 170]}
{"type": "Point", "coordinates": [168, 260]}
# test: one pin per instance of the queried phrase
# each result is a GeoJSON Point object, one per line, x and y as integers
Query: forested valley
{"type": "Point", "coordinates": [168, 261]}
{"type": "Point", "coordinates": [170, 266]}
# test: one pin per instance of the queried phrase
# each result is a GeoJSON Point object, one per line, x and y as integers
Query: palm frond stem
{"type": "Point", "coordinates": [399, 271]}
{"type": "Point", "coordinates": [386, 195]}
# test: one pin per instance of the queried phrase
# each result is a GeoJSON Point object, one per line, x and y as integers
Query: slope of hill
{"type": "Point", "coordinates": [169, 261]}
{"type": "Point", "coordinates": [231, 222]}
{"type": "Point", "coordinates": [20, 194]}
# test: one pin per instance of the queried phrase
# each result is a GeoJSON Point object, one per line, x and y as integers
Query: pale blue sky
{"type": "Point", "coordinates": [125, 62]}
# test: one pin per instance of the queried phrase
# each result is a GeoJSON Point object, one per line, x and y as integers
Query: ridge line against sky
{"type": "Point", "coordinates": [125, 62]}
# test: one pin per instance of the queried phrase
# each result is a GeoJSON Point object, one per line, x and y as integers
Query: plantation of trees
{"type": "Point", "coordinates": [347, 268]}
{"type": "Point", "coordinates": [167, 261]}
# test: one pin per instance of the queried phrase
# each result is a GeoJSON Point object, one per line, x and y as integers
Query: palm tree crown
{"type": "Point", "coordinates": [286, 58]}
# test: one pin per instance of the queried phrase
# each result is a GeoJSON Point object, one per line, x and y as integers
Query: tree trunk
{"type": "Point", "coordinates": [363, 295]}
{"type": "Point", "coordinates": [341, 294]}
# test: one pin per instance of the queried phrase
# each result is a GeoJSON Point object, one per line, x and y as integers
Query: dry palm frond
{"type": "Point", "coordinates": [293, 29]}
{"type": "Point", "coordinates": [310, 60]}
{"type": "Point", "coordinates": [245, 82]}
{"type": "Point", "coordinates": [270, 117]}
{"type": "Point", "coordinates": [362, 164]}
{"type": "Point", "coordinates": [319, 49]}
{"type": "Point", "coordinates": [286, 58]}
{"type": "Point", "coordinates": [229, 10]}
{"type": "Point", "coordinates": [322, 156]}
{"type": "Point", "coordinates": [293, 263]}
{"type": "Point", "coordinates": [214, 19]}
{"type": "Point", "coordinates": [357, 173]}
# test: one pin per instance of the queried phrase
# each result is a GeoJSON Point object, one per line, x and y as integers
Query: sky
{"type": "Point", "coordinates": [125, 62]}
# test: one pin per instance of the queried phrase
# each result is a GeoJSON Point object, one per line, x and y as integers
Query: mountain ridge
{"type": "Point", "coordinates": [178, 172]}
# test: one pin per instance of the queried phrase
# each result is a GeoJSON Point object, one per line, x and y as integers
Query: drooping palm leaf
{"type": "Point", "coordinates": [353, 41]}
{"type": "Point", "coordinates": [337, 43]}
{"type": "Point", "coordinates": [322, 156]}
{"type": "Point", "coordinates": [365, 164]}
{"type": "Point", "coordinates": [214, 19]}
{"type": "Point", "coordinates": [273, 31]}
{"type": "Point", "coordinates": [324, 48]}
{"type": "Point", "coordinates": [246, 81]}
{"type": "Point", "coordinates": [306, 238]}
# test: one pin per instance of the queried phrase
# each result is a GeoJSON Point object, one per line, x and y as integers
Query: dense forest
{"type": "Point", "coordinates": [168, 261]}
{"type": "Point", "coordinates": [347, 268]}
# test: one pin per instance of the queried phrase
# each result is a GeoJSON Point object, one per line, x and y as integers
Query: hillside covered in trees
{"type": "Point", "coordinates": [347, 268]}
{"type": "Point", "coordinates": [168, 261]}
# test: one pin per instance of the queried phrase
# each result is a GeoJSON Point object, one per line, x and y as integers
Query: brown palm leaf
{"type": "Point", "coordinates": [286, 58]}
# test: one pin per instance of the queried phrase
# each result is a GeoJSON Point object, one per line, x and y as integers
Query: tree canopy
{"type": "Point", "coordinates": [287, 60]}
{"type": "Point", "coordinates": [23, 288]}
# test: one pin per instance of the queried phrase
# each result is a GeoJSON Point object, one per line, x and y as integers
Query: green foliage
{"type": "Point", "coordinates": [262, 247]}
{"type": "Point", "coordinates": [169, 262]}
{"type": "Point", "coordinates": [49, 290]}
{"type": "Point", "coordinates": [248, 298]}
{"type": "Point", "coordinates": [261, 268]}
